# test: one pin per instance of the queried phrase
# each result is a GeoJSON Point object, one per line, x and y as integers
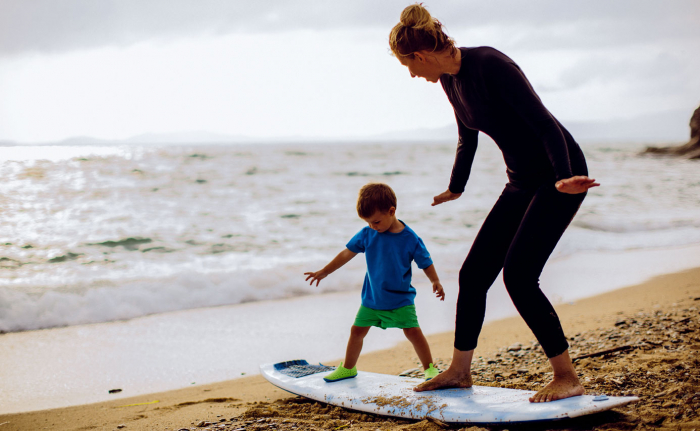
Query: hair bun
{"type": "Point", "coordinates": [416, 16]}
{"type": "Point", "coordinates": [417, 31]}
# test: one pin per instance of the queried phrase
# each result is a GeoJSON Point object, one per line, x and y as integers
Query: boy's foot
{"type": "Point", "coordinates": [341, 373]}
{"type": "Point", "coordinates": [431, 372]}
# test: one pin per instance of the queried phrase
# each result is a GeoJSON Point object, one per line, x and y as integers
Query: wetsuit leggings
{"type": "Point", "coordinates": [517, 236]}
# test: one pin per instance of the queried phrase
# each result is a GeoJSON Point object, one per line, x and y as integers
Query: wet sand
{"type": "Point", "coordinates": [652, 328]}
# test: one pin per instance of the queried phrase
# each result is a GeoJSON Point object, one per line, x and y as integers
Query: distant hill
{"type": "Point", "coordinates": [186, 138]}
{"type": "Point", "coordinates": [195, 137]}
{"type": "Point", "coordinates": [667, 127]}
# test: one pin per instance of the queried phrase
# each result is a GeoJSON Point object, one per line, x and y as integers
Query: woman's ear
{"type": "Point", "coordinates": [419, 56]}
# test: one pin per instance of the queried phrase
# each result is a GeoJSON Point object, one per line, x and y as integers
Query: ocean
{"type": "Point", "coordinates": [105, 233]}
{"type": "Point", "coordinates": [153, 268]}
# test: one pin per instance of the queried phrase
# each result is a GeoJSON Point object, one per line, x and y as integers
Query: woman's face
{"type": "Point", "coordinates": [420, 66]}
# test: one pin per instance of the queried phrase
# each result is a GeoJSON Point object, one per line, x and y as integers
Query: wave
{"type": "Point", "coordinates": [21, 311]}
{"type": "Point", "coordinates": [624, 225]}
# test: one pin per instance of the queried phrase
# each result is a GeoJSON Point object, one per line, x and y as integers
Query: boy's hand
{"type": "Point", "coordinates": [341, 259]}
{"type": "Point", "coordinates": [315, 276]}
{"type": "Point", "coordinates": [439, 291]}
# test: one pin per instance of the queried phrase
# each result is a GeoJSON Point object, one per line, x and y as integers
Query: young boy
{"type": "Point", "coordinates": [387, 295]}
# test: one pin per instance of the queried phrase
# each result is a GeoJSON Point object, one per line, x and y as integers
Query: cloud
{"type": "Point", "coordinates": [54, 26]}
{"type": "Point", "coordinates": [50, 26]}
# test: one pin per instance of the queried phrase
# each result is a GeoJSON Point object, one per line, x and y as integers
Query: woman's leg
{"type": "Point", "coordinates": [485, 261]}
{"type": "Point", "coordinates": [543, 225]}
{"type": "Point", "coordinates": [480, 269]}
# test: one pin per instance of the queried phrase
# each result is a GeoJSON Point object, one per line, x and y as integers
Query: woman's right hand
{"type": "Point", "coordinates": [445, 197]}
{"type": "Point", "coordinates": [575, 185]}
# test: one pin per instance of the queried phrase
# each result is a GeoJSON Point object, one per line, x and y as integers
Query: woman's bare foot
{"type": "Point", "coordinates": [559, 388]}
{"type": "Point", "coordinates": [565, 383]}
{"type": "Point", "coordinates": [458, 375]}
{"type": "Point", "coordinates": [445, 380]}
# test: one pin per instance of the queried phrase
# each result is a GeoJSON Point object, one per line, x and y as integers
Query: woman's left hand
{"type": "Point", "coordinates": [576, 185]}
{"type": "Point", "coordinates": [445, 196]}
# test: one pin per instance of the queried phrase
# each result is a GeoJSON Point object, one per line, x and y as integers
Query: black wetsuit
{"type": "Point", "coordinates": [492, 95]}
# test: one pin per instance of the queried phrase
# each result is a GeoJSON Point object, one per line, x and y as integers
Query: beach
{"type": "Point", "coordinates": [662, 347]}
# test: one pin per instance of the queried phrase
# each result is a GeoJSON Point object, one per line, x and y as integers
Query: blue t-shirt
{"type": "Point", "coordinates": [388, 280]}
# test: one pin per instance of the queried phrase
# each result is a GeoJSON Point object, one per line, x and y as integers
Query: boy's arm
{"type": "Point", "coordinates": [341, 259]}
{"type": "Point", "coordinates": [431, 273]}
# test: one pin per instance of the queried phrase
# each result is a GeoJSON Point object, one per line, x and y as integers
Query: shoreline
{"type": "Point", "coordinates": [77, 365]}
{"type": "Point", "coordinates": [184, 407]}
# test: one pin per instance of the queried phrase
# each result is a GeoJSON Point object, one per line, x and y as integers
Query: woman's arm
{"type": "Point", "coordinates": [466, 148]}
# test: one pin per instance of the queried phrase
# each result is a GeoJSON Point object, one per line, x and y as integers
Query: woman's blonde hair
{"type": "Point", "coordinates": [417, 30]}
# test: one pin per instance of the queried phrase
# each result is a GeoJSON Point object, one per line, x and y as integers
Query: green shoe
{"type": "Point", "coordinates": [431, 372]}
{"type": "Point", "coordinates": [341, 373]}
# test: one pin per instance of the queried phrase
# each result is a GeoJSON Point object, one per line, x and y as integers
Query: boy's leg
{"type": "Point", "coordinates": [420, 344]}
{"type": "Point", "coordinates": [352, 353]}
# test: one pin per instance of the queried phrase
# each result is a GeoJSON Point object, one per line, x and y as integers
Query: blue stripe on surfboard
{"type": "Point", "coordinates": [300, 368]}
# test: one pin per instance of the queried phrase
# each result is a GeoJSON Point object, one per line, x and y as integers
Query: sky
{"type": "Point", "coordinates": [279, 69]}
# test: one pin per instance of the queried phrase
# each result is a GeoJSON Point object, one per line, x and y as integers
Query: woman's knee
{"type": "Point", "coordinates": [473, 283]}
{"type": "Point", "coordinates": [518, 280]}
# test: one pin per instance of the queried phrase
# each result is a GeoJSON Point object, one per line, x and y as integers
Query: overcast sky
{"type": "Point", "coordinates": [117, 68]}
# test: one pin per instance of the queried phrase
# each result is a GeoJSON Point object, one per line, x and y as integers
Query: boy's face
{"type": "Point", "coordinates": [381, 221]}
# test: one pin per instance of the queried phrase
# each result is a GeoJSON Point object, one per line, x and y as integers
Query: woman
{"type": "Point", "coordinates": [547, 182]}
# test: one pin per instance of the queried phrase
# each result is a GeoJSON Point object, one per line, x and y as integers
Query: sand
{"type": "Point", "coordinates": [653, 326]}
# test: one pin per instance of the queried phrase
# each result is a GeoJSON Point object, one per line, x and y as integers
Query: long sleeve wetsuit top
{"type": "Point", "coordinates": [492, 95]}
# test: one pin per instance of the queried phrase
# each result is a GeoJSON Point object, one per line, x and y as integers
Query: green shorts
{"type": "Point", "coordinates": [402, 317]}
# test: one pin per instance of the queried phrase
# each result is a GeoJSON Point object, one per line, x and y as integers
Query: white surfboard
{"type": "Point", "coordinates": [388, 395]}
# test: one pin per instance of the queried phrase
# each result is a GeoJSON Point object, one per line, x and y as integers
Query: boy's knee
{"type": "Point", "coordinates": [412, 332]}
{"type": "Point", "coordinates": [359, 331]}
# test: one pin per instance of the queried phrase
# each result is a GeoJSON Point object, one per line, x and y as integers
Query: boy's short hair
{"type": "Point", "coordinates": [375, 197]}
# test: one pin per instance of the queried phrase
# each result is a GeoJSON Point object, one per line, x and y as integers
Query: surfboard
{"type": "Point", "coordinates": [389, 395]}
